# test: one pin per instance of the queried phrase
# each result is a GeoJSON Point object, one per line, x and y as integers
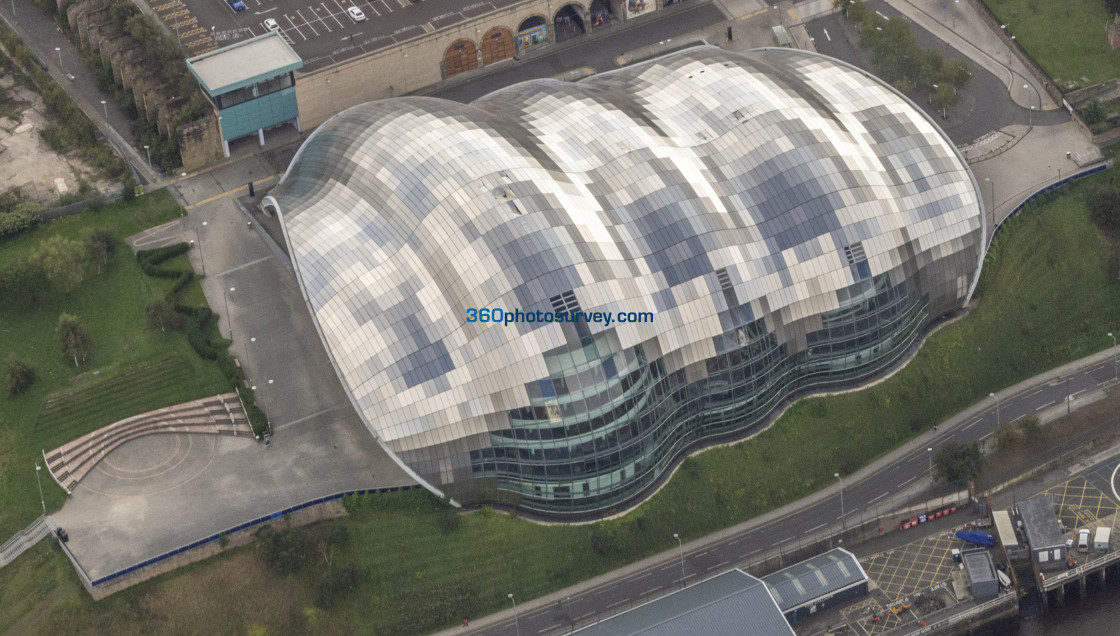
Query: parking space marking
{"type": "Point", "coordinates": [373, 9]}
{"type": "Point", "coordinates": [306, 23]}
{"type": "Point", "coordinates": [294, 26]}
{"type": "Point", "coordinates": [331, 14]}
{"type": "Point", "coordinates": [386, 5]}
{"type": "Point", "coordinates": [315, 11]}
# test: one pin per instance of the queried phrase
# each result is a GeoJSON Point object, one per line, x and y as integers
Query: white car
{"type": "Point", "coordinates": [271, 25]}
{"type": "Point", "coordinates": [355, 14]}
{"type": "Point", "coordinates": [1083, 540]}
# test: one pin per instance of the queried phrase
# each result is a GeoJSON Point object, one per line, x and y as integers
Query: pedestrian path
{"type": "Point", "coordinates": [24, 540]}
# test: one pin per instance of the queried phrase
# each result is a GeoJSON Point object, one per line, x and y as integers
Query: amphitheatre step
{"type": "Point", "coordinates": [216, 415]}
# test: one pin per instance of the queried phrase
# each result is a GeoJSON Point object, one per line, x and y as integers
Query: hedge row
{"type": "Point", "coordinates": [196, 321]}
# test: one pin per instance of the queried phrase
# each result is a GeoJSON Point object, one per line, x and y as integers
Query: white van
{"type": "Point", "coordinates": [1100, 541]}
{"type": "Point", "coordinates": [1083, 540]}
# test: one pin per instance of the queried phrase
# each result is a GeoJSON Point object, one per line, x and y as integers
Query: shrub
{"type": "Point", "coordinates": [338, 583]}
{"type": "Point", "coordinates": [284, 551]}
{"type": "Point", "coordinates": [19, 375]}
{"type": "Point", "coordinates": [959, 462]}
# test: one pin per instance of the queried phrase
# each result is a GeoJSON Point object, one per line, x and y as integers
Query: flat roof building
{"type": "Point", "coordinates": [981, 572]}
{"type": "Point", "coordinates": [251, 85]}
{"type": "Point", "coordinates": [731, 604]}
{"type": "Point", "coordinates": [1043, 530]}
{"type": "Point", "coordinates": [817, 583]}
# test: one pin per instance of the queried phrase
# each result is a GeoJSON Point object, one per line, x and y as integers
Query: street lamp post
{"type": "Point", "coordinates": [843, 527]}
{"type": "Point", "coordinates": [225, 300]}
{"type": "Point", "coordinates": [996, 398]}
{"type": "Point", "coordinates": [680, 546]}
{"type": "Point", "coordinates": [147, 149]}
{"type": "Point", "coordinates": [60, 67]}
{"type": "Point", "coordinates": [929, 451]}
{"type": "Point", "coordinates": [105, 109]}
{"type": "Point", "coordinates": [516, 626]}
{"type": "Point", "coordinates": [1009, 45]}
{"type": "Point", "coordinates": [42, 502]}
{"type": "Point", "coordinates": [1115, 373]}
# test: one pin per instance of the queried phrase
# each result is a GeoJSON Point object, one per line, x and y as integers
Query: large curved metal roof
{"type": "Point", "coordinates": [789, 173]}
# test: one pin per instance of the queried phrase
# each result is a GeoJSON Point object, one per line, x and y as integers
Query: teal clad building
{"type": "Point", "coordinates": [251, 84]}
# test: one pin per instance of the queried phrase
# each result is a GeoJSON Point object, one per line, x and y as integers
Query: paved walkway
{"type": "Point", "coordinates": [39, 33]}
{"type": "Point", "coordinates": [24, 540]}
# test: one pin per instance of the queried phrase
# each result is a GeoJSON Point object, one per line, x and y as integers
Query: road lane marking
{"type": "Point", "coordinates": [971, 425]}
{"type": "Point", "coordinates": [879, 497]}
{"type": "Point", "coordinates": [826, 35]}
{"type": "Point", "coordinates": [718, 565]}
{"type": "Point", "coordinates": [648, 592]}
{"type": "Point", "coordinates": [625, 600]}
{"type": "Point", "coordinates": [1044, 406]}
{"type": "Point", "coordinates": [549, 628]}
{"type": "Point", "coordinates": [815, 528]}
{"type": "Point", "coordinates": [908, 481]}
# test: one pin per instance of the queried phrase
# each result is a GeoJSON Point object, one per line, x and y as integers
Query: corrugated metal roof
{"type": "Point", "coordinates": [1004, 529]}
{"type": "Point", "coordinates": [731, 604]}
{"type": "Point", "coordinates": [814, 578]}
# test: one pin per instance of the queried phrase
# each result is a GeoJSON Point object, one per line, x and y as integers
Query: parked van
{"type": "Point", "coordinates": [1004, 580]}
{"type": "Point", "coordinates": [1083, 540]}
{"type": "Point", "coordinates": [1100, 541]}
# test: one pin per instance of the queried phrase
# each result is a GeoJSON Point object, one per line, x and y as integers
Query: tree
{"type": "Point", "coordinates": [856, 11]}
{"type": "Point", "coordinates": [957, 74]}
{"type": "Point", "coordinates": [22, 283]}
{"type": "Point", "coordinates": [73, 338]}
{"type": "Point", "coordinates": [1030, 427]}
{"type": "Point", "coordinates": [1093, 113]}
{"type": "Point", "coordinates": [284, 551]}
{"type": "Point", "coordinates": [944, 97]}
{"type": "Point", "coordinates": [1103, 201]}
{"type": "Point", "coordinates": [339, 583]}
{"type": "Point", "coordinates": [161, 315]}
{"type": "Point", "coordinates": [959, 462]}
{"type": "Point", "coordinates": [1006, 436]}
{"type": "Point", "coordinates": [932, 70]}
{"type": "Point", "coordinates": [19, 375]}
{"type": "Point", "coordinates": [102, 245]}
{"type": "Point", "coordinates": [62, 260]}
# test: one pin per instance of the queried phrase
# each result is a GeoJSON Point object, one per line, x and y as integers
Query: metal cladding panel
{"type": "Point", "coordinates": [814, 578]}
{"type": "Point", "coordinates": [731, 604]}
{"type": "Point", "coordinates": [788, 220]}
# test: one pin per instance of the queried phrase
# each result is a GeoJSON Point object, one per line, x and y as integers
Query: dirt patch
{"type": "Point", "coordinates": [27, 163]}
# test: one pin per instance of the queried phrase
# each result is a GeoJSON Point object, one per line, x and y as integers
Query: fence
{"type": "Point", "coordinates": [225, 533]}
{"type": "Point", "coordinates": [1043, 190]}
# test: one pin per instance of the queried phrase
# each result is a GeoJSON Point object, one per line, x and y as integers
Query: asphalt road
{"type": "Point", "coordinates": [598, 53]}
{"type": "Point", "coordinates": [825, 516]}
{"type": "Point", "coordinates": [984, 104]}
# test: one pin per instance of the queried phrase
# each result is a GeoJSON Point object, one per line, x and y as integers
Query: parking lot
{"type": "Point", "coordinates": [320, 32]}
{"type": "Point", "coordinates": [1086, 501]}
{"type": "Point", "coordinates": [914, 567]}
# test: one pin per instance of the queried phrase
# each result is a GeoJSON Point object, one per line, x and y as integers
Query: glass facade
{"type": "Point", "coordinates": [791, 222]}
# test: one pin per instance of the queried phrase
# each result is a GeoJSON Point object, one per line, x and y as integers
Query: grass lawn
{"type": "Point", "coordinates": [1047, 297]}
{"type": "Point", "coordinates": [1066, 38]}
{"type": "Point", "coordinates": [132, 368]}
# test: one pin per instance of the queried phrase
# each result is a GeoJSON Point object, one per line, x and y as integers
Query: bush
{"type": "Point", "coordinates": [959, 462]}
{"type": "Point", "coordinates": [338, 583]}
{"type": "Point", "coordinates": [19, 375]}
{"type": "Point", "coordinates": [284, 551]}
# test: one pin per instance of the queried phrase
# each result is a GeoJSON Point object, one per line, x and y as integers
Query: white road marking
{"type": "Point", "coordinates": [625, 600]}
{"type": "Point", "coordinates": [331, 14]}
{"type": "Point", "coordinates": [1074, 394]}
{"type": "Point", "coordinates": [386, 5]}
{"type": "Point", "coordinates": [642, 576]}
{"type": "Point", "coordinates": [971, 425]}
{"type": "Point", "coordinates": [1044, 406]}
{"type": "Point", "coordinates": [827, 35]}
{"type": "Point", "coordinates": [879, 497]}
{"type": "Point", "coordinates": [551, 627]}
{"type": "Point", "coordinates": [374, 9]}
{"type": "Point", "coordinates": [266, 11]}
{"type": "Point", "coordinates": [648, 592]}
{"type": "Point", "coordinates": [306, 23]}
{"type": "Point", "coordinates": [734, 541]}
{"type": "Point", "coordinates": [882, 16]}
{"type": "Point", "coordinates": [815, 528]}
{"type": "Point", "coordinates": [908, 481]}
{"type": "Point", "coordinates": [985, 437]}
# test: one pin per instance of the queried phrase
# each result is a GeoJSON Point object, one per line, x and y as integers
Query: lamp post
{"type": "Point", "coordinates": [42, 502]}
{"type": "Point", "coordinates": [996, 398]}
{"type": "Point", "coordinates": [929, 451]}
{"type": "Point", "coordinates": [59, 51]}
{"type": "Point", "coordinates": [993, 183]}
{"type": "Point", "coordinates": [843, 527]}
{"type": "Point", "coordinates": [516, 626]}
{"type": "Point", "coordinates": [1115, 373]}
{"type": "Point", "coordinates": [148, 150]}
{"type": "Point", "coordinates": [225, 300]}
{"type": "Point", "coordinates": [105, 109]}
{"type": "Point", "coordinates": [1009, 44]}
{"type": "Point", "coordinates": [680, 546]}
